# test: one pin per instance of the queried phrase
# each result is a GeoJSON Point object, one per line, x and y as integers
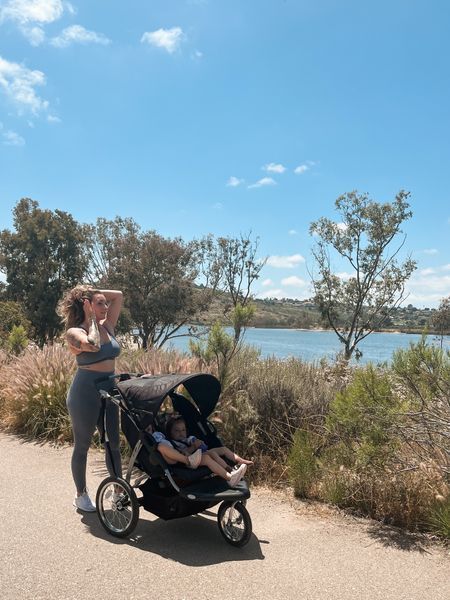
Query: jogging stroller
{"type": "Point", "coordinates": [168, 491]}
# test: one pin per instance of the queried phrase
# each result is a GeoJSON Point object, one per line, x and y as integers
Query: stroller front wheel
{"type": "Point", "coordinates": [234, 523]}
{"type": "Point", "coordinates": [117, 506]}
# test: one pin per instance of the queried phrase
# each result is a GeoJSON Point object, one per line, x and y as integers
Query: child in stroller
{"type": "Point", "coordinates": [177, 447]}
{"type": "Point", "coordinates": [176, 432]}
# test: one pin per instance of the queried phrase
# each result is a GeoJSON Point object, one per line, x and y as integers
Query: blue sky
{"type": "Point", "coordinates": [224, 117]}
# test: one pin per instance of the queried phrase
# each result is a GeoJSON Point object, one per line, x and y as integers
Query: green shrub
{"type": "Point", "coordinates": [423, 375]}
{"type": "Point", "coordinates": [439, 517]}
{"type": "Point", "coordinates": [17, 340]}
{"type": "Point", "coordinates": [266, 402]}
{"type": "Point", "coordinates": [424, 371]}
{"type": "Point", "coordinates": [302, 463]}
{"type": "Point", "coordinates": [216, 352]}
{"type": "Point", "coordinates": [362, 418]}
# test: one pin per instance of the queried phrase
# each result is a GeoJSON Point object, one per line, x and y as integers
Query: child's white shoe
{"type": "Point", "coordinates": [237, 475]}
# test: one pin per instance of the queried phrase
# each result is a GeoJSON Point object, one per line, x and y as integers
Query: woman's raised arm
{"type": "Point", "coordinates": [114, 299]}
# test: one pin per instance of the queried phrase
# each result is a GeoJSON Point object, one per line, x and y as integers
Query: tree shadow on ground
{"type": "Point", "coordinates": [193, 541]}
{"type": "Point", "coordinates": [394, 537]}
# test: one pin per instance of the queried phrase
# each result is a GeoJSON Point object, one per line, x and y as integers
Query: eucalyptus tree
{"type": "Point", "coordinates": [365, 239]}
{"type": "Point", "coordinates": [45, 255]}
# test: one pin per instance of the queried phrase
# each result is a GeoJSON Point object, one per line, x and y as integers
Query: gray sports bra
{"type": "Point", "coordinates": [107, 351]}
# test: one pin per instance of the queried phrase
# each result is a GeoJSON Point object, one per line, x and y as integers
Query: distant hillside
{"type": "Point", "coordinates": [304, 314]}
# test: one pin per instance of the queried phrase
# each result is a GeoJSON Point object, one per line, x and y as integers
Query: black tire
{"type": "Point", "coordinates": [118, 516]}
{"type": "Point", "coordinates": [234, 523]}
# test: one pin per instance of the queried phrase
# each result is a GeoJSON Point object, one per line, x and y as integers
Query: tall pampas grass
{"type": "Point", "coordinates": [154, 362]}
{"type": "Point", "coordinates": [33, 391]}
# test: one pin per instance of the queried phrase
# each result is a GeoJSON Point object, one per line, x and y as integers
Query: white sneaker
{"type": "Point", "coordinates": [84, 503]}
{"type": "Point", "coordinates": [237, 475]}
{"type": "Point", "coordinates": [194, 459]}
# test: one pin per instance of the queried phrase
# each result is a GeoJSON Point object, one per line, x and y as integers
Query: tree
{"type": "Point", "coordinates": [441, 319]}
{"type": "Point", "coordinates": [12, 315]}
{"type": "Point", "coordinates": [44, 256]}
{"type": "Point", "coordinates": [361, 302]}
{"type": "Point", "coordinates": [238, 268]}
{"type": "Point", "coordinates": [156, 275]}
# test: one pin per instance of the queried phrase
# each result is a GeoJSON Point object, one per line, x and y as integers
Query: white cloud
{"type": "Point", "coordinates": [306, 166]}
{"type": "Point", "coordinates": [272, 293]}
{"type": "Point", "coordinates": [35, 35]}
{"type": "Point", "coordinates": [274, 168]}
{"type": "Point", "coordinates": [267, 282]}
{"type": "Point", "coordinates": [431, 251]}
{"type": "Point", "coordinates": [285, 262]}
{"type": "Point", "coordinates": [76, 34]}
{"type": "Point", "coordinates": [218, 206]}
{"type": "Point", "coordinates": [31, 16]}
{"type": "Point", "coordinates": [24, 12]}
{"type": "Point", "coordinates": [429, 286]}
{"type": "Point", "coordinates": [11, 138]}
{"type": "Point", "coordinates": [19, 83]}
{"type": "Point", "coordinates": [294, 281]}
{"type": "Point", "coordinates": [265, 181]}
{"type": "Point", "coordinates": [53, 119]}
{"type": "Point", "coordinates": [293, 232]}
{"type": "Point", "coordinates": [234, 181]}
{"type": "Point", "coordinates": [169, 39]}
{"type": "Point", "coordinates": [426, 272]}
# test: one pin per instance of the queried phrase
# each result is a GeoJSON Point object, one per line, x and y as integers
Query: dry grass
{"type": "Point", "coordinates": [33, 391]}
{"type": "Point", "coordinates": [155, 361]}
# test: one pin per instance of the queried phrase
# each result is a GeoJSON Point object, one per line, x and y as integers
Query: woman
{"type": "Point", "coordinates": [86, 312]}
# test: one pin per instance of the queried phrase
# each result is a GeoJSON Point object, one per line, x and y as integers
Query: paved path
{"type": "Point", "coordinates": [49, 551]}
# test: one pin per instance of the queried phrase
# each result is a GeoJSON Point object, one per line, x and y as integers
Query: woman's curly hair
{"type": "Point", "coordinates": [70, 307]}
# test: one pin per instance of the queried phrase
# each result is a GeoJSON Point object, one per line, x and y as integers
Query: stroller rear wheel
{"type": "Point", "coordinates": [117, 506]}
{"type": "Point", "coordinates": [234, 523]}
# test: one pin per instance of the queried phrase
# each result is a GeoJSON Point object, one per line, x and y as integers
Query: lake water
{"type": "Point", "coordinates": [313, 345]}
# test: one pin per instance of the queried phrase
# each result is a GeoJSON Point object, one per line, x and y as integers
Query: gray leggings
{"type": "Point", "coordinates": [84, 404]}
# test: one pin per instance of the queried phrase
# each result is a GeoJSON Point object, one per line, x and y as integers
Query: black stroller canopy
{"type": "Point", "coordinates": [148, 393]}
